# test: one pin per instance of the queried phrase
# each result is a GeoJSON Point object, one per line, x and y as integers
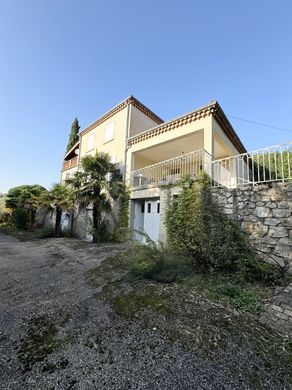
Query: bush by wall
{"type": "Point", "coordinates": [20, 218]}
{"type": "Point", "coordinates": [196, 227]}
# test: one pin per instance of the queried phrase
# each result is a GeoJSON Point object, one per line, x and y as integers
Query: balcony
{"type": "Point", "coordinates": [170, 171]}
{"type": "Point", "coordinates": [266, 165]}
{"type": "Point", "coordinates": [70, 163]}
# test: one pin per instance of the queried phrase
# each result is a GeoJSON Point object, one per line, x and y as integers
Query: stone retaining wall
{"type": "Point", "coordinates": [264, 212]}
{"type": "Point", "coordinates": [278, 315]}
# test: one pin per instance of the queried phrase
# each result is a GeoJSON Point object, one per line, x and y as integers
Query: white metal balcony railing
{"type": "Point", "coordinates": [170, 171]}
{"type": "Point", "coordinates": [265, 165]}
{"type": "Point", "coordinates": [261, 166]}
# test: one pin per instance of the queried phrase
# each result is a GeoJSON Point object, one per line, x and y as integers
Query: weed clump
{"type": "Point", "coordinates": [151, 262]}
{"type": "Point", "coordinates": [45, 232]}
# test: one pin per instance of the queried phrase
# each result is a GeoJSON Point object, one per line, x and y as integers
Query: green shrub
{"type": "Point", "coordinates": [121, 232]}
{"type": "Point", "coordinates": [20, 218]}
{"type": "Point", "coordinates": [46, 232]}
{"type": "Point", "coordinates": [149, 262]}
{"type": "Point", "coordinates": [196, 227]}
{"type": "Point", "coordinates": [254, 269]}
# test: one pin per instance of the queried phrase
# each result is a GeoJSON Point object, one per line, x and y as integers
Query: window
{"type": "Point", "coordinates": [90, 142]}
{"type": "Point", "coordinates": [143, 208]}
{"type": "Point", "coordinates": [158, 207]}
{"type": "Point", "coordinates": [149, 207]}
{"type": "Point", "coordinates": [109, 132]}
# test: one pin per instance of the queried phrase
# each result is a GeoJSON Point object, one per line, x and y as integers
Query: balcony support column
{"type": "Point", "coordinates": [209, 140]}
{"type": "Point", "coordinates": [209, 148]}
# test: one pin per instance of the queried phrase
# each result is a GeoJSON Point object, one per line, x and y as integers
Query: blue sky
{"type": "Point", "coordinates": [67, 58]}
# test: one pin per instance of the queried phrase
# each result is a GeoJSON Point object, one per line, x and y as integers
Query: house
{"type": "Point", "coordinates": [153, 154]}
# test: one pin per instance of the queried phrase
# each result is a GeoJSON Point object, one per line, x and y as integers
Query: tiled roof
{"type": "Point", "coordinates": [130, 100]}
{"type": "Point", "coordinates": [212, 108]}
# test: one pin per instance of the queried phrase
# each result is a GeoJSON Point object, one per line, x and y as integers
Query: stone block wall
{"type": "Point", "coordinates": [278, 315]}
{"type": "Point", "coordinates": [264, 212]}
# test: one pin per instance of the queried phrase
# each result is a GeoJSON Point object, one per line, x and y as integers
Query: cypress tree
{"type": "Point", "coordinates": [74, 134]}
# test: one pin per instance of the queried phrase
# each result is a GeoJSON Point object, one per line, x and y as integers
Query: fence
{"type": "Point", "coordinates": [170, 171]}
{"type": "Point", "coordinates": [261, 166]}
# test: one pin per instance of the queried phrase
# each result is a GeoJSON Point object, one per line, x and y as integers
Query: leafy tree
{"type": "Point", "coordinates": [28, 197]}
{"type": "Point", "coordinates": [98, 183]}
{"type": "Point", "coordinates": [74, 134]}
{"type": "Point", "coordinates": [59, 199]}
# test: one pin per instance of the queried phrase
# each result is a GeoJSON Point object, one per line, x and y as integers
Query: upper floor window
{"type": "Point", "coordinates": [90, 142]}
{"type": "Point", "coordinates": [109, 132]}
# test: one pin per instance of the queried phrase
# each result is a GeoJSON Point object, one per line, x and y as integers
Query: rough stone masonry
{"type": "Point", "coordinates": [264, 212]}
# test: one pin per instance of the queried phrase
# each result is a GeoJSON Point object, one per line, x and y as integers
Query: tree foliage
{"type": "Point", "coordinates": [26, 197]}
{"type": "Point", "coordinates": [98, 183]}
{"type": "Point", "coordinates": [60, 198]}
{"type": "Point", "coordinates": [74, 134]}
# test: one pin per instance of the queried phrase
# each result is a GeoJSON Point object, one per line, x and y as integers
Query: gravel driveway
{"type": "Point", "coordinates": [55, 333]}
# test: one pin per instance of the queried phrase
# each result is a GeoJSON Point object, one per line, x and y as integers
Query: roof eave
{"type": "Point", "coordinates": [71, 150]}
{"type": "Point", "coordinates": [129, 100]}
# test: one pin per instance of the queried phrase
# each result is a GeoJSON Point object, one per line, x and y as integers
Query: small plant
{"type": "Point", "coordinates": [132, 304]}
{"type": "Point", "coordinates": [151, 262]}
{"type": "Point", "coordinates": [240, 296]}
{"type": "Point", "coordinates": [45, 232]}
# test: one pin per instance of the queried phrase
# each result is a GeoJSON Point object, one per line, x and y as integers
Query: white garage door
{"type": "Point", "coordinates": [152, 219]}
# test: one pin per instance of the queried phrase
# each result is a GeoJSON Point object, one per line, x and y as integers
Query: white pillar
{"type": "Point", "coordinates": [208, 147]}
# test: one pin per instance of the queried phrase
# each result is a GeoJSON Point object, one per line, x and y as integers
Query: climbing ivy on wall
{"type": "Point", "coordinates": [197, 228]}
{"type": "Point", "coordinates": [121, 231]}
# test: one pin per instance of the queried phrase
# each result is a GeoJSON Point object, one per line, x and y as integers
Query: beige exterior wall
{"type": "Point", "coordinates": [141, 162]}
{"type": "Point", "coordinates": [204, 124]}
{"type": "Point", "coordinates": [223, 146]}
{"type": "Point", "coordinates": [139, 122]}
{"type": "Point", "coordinates": [95, 139]}
{"type": "Point", "coordinates": [68, 172]}
{"type": "Point", "coordinates": [215, 142]}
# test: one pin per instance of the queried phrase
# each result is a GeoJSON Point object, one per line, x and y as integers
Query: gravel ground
{"type": "Point", "coordinates": [57, 331]}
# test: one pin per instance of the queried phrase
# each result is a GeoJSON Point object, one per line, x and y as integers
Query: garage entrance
{"type": "Point", "coordinates": [147, 219]}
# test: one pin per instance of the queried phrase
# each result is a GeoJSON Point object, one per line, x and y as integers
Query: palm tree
{"type": "Point", "coordinates": [59, 198]}
{"type": "Point", "coordinates": [98, 183]}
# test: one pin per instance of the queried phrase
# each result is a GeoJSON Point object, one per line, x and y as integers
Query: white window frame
{"type": "Point", "coordinates": [90, 142]}
{"type": "Point", "coordinates": [109, 132]}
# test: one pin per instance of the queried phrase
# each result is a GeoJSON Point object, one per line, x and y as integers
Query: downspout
{"type": "Point", "coordinates": [73, 222]}
{"type": "Point", "coordinates": [79, 153]}
{"type": "Point", "coordinates": [128, 123]}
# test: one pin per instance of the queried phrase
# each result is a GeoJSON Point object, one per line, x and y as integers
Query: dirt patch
{"type": "Point", "coordinates": [79, 322]}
